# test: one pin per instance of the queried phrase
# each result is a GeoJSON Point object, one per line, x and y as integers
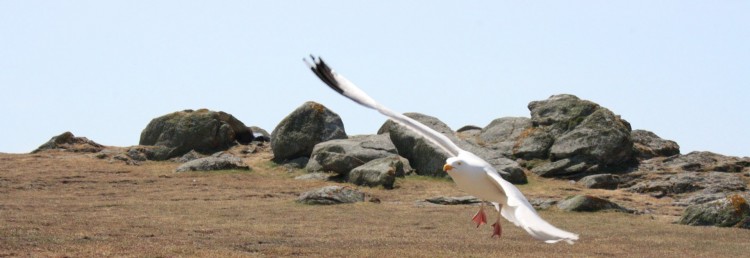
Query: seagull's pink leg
{"type": "Point", "coordinates": [497, 230]}
{"type": "Point", "coordinates": [480, 218]}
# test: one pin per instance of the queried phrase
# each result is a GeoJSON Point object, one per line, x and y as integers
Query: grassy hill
{"type": "Point", "coordinates": [58, 204]}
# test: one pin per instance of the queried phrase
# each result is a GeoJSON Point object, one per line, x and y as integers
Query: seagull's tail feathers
{"type": "Point", "coordinates": [519, 211]}
{"type": "Point", "coordinates": [526, 218]}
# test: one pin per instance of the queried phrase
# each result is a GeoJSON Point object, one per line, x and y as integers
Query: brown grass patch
{"type": "Point", "coordinates": [66, 204]}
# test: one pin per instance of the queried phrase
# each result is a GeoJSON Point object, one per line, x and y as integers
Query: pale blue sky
{"type": "Point", "coordinates": [104, 69]}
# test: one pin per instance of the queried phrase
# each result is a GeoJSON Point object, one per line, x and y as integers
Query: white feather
{"type": "Point", "coordinates": [473, 174]}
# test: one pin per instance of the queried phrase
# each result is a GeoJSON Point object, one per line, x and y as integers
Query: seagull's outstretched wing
{"type": "Point", "coordinates": [351, 91]}
{"type": "Point", "coordinates": [519, 211]}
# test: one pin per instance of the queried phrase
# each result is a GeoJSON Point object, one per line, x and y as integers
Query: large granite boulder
{"type": "Point", "coordinates": [560, 113]}
{"type": "Point", "coordinates": [602, 137]}
{"type": "Point", "coordinates": [513, 137]}
{"type": "Point", "coordinates": [577, 138]}
{"type": "Point", "coordinates": [201, 130]}
{"type": "Point", "coordinates": [69, 142]}
{"type": "Point", "coordinates": [501, 134]}
{"type": "Point", "coordinates": [732, 211]}
{"type": "Point", "coordinates": [378, 172]}
{"type": "Point", "coordinates": [565, 137]}
{"type": "Point", "coordinates": [343, 155]}
{"type": "Point", "coordinates": [647, 145]}
{"type": "Point", "coordinates": [424, 156]}
{"type": "Point", "coordinates": [298, 133]}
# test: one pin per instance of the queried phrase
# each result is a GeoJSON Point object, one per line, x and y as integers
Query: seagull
{"type": "Point", "coordinates": [470, 172]}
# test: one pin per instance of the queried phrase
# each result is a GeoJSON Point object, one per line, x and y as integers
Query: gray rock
{"type": "Point", "coordinates": [509, 169]}
{"type": "Point", "coordinates": [542, 204]}
{"type": "Point", "coordinates": [601, 137]}
{"type": "Point", "coordinates": [331, 195]}
{"type": "Point", "coordinates": [219, 161]}
{"type": "Point", "coordinates": [686, 182]}
{"type": "Point", "coordinates": [343, 155]}
{"type": "Point", "coordinates": [298, 163]}
{"type": "Point", "coordinates": [577, 138]}
{"type": "Point", "coordinates": [298, 133]}
{"type": "Point", "coordinates": [426, 158]}
{"type": "Point", "coordinates": [378, 172]}
{"type": "Point", "coordinates": [260, 134]}
{"type": "Point", "coordinates": [137, 154]}
{"type": "Point", "coordinates": [647, 145]}
{"type": "Point", "coordinates": [450, 200]}
{"type": "Point", "coordinates": [561, 113]}
{"type": "Point", "coordinates": [600, 181]}
{"type": "Point", "coordinates": [469, 133]}
{"type": "Point", "coordinates": [191, 155]}
{"type": "Point", "coordinates": [202, 130]}
{"type": "Point", "coordinates": [533, 143]}
{"type": "Point", "coordinates": [732, 211]}
{"type": "Point", "coordinates": [516, 137]}
{"type": "Point", "coordinates": [408, 170]}
{"type": "Point", "coordinates": [699, 198]}
{"type": "Point", "coordinates": [552, 169]}
{"type": "Point", "coordinates": [314, 176]}
{"type": "Point", "coordinates": [705, 161]}
{"type": "Point", "coordinates": [68, 142]}
{"type": "Point", "coordinates": [502, 134]}
{"type": "Point", "coordinates": [590, 204]}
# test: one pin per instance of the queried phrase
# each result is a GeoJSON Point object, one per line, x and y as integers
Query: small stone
{"type": "Point", "coordinates": [331, 195]}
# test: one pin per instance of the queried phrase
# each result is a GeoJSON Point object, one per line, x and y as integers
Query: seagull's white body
{"type": "Point", "coordinates": [471, 173]}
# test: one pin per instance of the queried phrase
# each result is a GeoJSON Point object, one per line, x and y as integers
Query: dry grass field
{"type": "Point", "coordinates": [63, 204]}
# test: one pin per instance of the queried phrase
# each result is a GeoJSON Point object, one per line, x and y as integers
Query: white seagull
{"type": "Point", "coordinates": [471, 173]}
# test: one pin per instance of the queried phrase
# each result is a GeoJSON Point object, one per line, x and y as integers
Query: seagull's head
{"type": "Point", "coordinates": [454, 163]}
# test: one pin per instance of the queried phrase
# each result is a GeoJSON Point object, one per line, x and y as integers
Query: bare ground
{"type": "Point", "coordinates": [62, 204]}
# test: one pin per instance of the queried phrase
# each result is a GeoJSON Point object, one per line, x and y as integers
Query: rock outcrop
{"type": "Point", "coordinates": [201, 130]}
{"type": "Point", "coordinates": [648, 145]}
{"type": "Point", "coordinates": [298, 133]}
{"type": "Point", "coordinates": [565, 137]}
{"type": "Point", "coordinates": [705, 161]}
{"type": "Point", "coordinates": [588, 136]}
{"type": "Point", "coordinates": [68, 142]}
{"type": "Point", "coordinates": [688, 182]}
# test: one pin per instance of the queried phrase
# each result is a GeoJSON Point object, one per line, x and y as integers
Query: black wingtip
{"type": "Point", "coordinates": [325, 73]}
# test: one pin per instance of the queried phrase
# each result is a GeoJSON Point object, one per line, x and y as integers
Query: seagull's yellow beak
{"type": "Point", "coordinates": [447, 167]}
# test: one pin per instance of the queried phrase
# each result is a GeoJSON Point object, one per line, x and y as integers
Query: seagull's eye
{"type": "Point", "coordinates": [459, 163]}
